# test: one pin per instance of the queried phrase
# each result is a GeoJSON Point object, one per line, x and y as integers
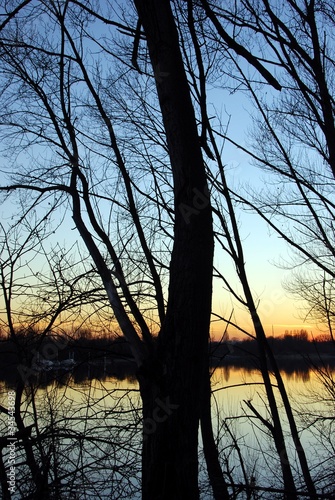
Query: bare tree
{"type": "Point", "coordinates": [293, 138]}
{"type": "Point", "coordinates": [109, 102]}
{"type": "Point", "coordinates": [169, 454]}
{"type": "Point", "coordinates": [228, 237]}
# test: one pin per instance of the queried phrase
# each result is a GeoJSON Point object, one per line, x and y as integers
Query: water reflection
{"type": "Point", "coordinates": [292, 373]}
{"type": "Point", "coordinates": [88, 424]}
{"type": "Point", "coordinates": [239, 431]}
{"type": "Point", "coordinates": [125, 369]}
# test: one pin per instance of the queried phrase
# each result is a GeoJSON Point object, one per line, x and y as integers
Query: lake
{"type": "Point", "coordinates": [87, 434]}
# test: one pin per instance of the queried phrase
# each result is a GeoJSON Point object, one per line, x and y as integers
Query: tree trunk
{"type": "Point", "coordinates": [215, 474]}
{"type": "Point", "coordinates": [172, 386]}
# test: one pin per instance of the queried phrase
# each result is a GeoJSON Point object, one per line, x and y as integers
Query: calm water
{"type": "Point", "coordinates": [93, 430]}
{"type": "Point", "coordinates": [312, 404]}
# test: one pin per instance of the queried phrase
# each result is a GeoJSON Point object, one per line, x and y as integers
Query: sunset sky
{"type": "Point", "coordinates": [267, 256]}
{"type": "Point", "coordinates": [278, 311]}
{"type": "Point", "coordinates": [265, 253]}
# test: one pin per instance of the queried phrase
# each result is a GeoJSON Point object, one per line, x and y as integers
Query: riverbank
{"type": "Point", "coordinates": [86, 358]}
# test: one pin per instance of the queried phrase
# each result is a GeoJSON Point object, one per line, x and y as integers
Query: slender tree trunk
{"type": "Point", "coordinates": [293, 427]}
{"type": "Point", "coordinates": [172, 386]}
{"type": "Point", "coordinates": [38, 475]}
{"type": "Point", "coordinates": [275, 426]}
{"type": "Point", "coordinates": [215, 474]}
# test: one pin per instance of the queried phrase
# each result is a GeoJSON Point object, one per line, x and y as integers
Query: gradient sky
{"type": "Point", "coordinates": [265, 253]}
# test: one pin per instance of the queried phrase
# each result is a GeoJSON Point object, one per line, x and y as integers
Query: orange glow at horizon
{"type": "Point", "coordinates": [277, 318]}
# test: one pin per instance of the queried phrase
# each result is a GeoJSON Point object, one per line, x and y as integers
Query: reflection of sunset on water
{"type": "Point", "coordinates": [234, 388]}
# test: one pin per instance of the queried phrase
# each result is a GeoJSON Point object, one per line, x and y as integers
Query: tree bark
{"type": "Point", "coordinates": [172, 385]}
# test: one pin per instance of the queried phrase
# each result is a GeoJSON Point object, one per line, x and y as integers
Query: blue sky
{"type": "Point", "coordinates": [264, 251]}
{"type": "Point", "coordinates": [266, 254]}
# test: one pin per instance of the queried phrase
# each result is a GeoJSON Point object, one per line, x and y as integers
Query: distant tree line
{"type": "Point", "coordinates": [84, 347]}
{"type": "Point", "coordinates": [294, 345]}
